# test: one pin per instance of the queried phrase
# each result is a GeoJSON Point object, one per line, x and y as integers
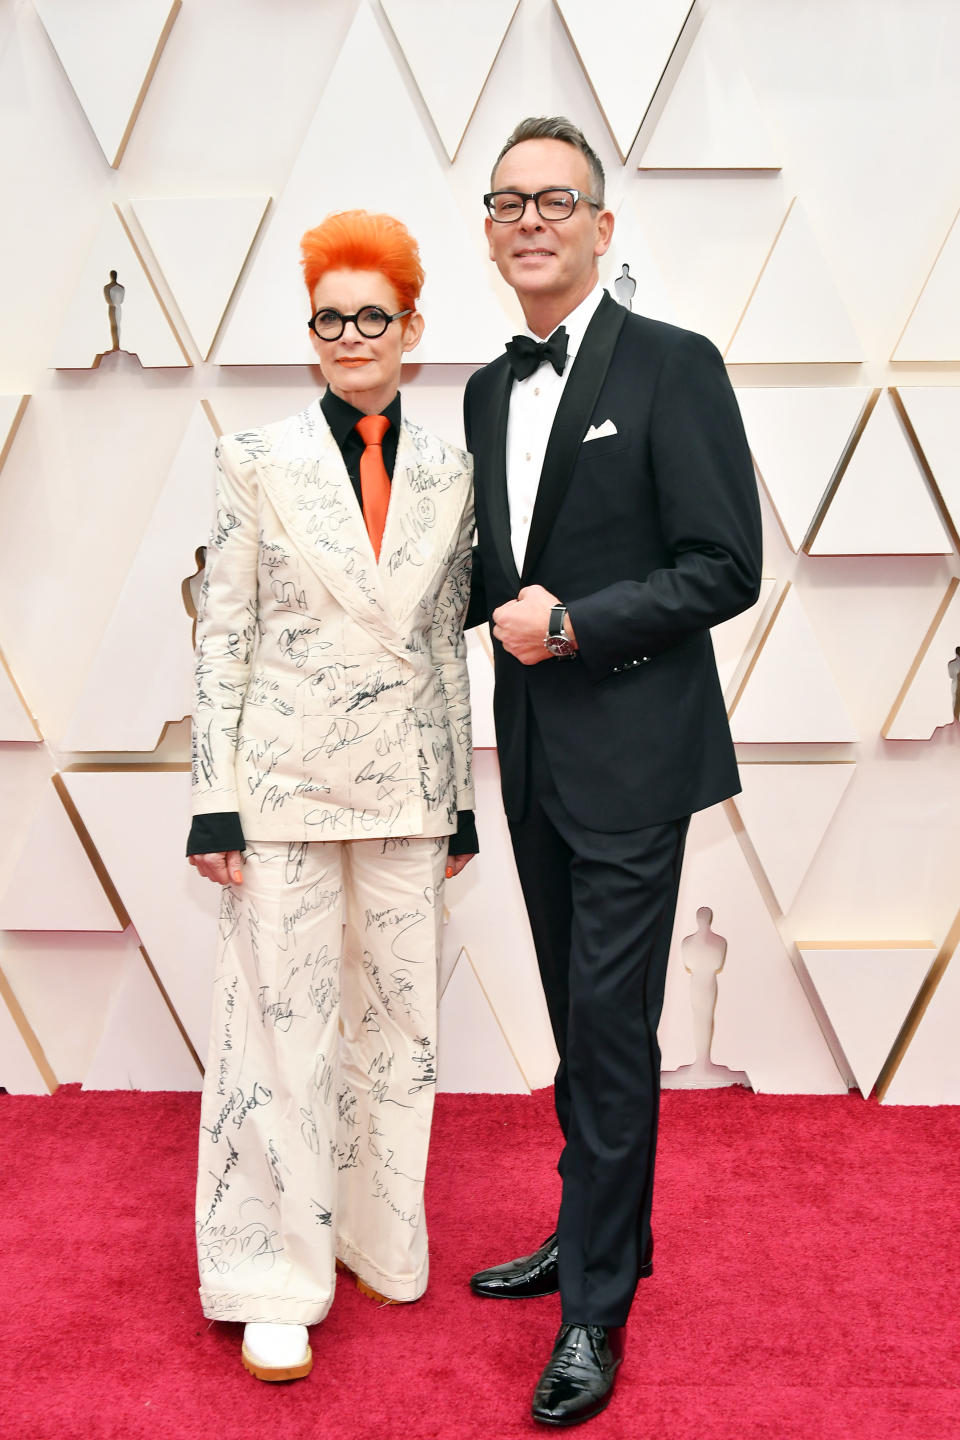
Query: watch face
{"type": "Point", "coordinates": [559, 645]}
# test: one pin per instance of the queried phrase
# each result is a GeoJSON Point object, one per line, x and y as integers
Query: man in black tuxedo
{"type": "Point", "coordinates": [618, 521]}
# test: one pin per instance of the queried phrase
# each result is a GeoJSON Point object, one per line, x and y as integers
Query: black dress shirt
{"type": "Point", "coordinates": [221, 830]}
{"type": "Point", "coordinates": [342, 419]}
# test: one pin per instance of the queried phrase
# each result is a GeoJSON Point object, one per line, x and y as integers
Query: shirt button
{"type": "Point", "coordinates": [537, 390]}
{"type": "Point", "coordinates": [527, 456]}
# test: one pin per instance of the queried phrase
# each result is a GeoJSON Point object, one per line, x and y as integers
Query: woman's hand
{"type": "Point", "coordinates": [455, 864]}
{"type": "Point", "coordinates": [223, 867]}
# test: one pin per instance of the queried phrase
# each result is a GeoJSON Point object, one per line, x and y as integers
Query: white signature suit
{"type": "Point", "coordinates": [332, 705]}
{"type": "Point", "coordinates": [345, 670]}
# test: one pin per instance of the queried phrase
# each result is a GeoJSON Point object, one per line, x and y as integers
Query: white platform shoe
{"type": "Point", "coordinates": [276, 1352]}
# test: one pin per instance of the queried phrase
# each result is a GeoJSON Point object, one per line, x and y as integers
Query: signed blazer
{"type": "Point", "coordinates": [332, 700]}
{"type": "Point", "coordinates": [650, 534]}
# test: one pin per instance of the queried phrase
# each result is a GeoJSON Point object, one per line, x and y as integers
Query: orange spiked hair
{"type": "Point", "coordinates": [357, 240]}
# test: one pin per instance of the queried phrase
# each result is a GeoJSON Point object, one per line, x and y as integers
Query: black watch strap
{"type": "Point", "coordinates": [556, 639]}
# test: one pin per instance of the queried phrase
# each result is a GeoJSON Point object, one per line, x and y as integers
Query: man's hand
{"type": "Point", "coordinates": [226, 868]}
{"type": "Point", "coordinates": [521, 624]}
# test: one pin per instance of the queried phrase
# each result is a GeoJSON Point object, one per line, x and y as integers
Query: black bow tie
{"type": "Point", "coordinates": [525, 355]}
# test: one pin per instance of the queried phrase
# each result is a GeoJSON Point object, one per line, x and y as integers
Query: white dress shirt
{"type": "Point", "coordinates": [533, 407]}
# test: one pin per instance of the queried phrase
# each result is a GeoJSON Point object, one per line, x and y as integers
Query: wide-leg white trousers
{"type": "Point", "coordinates": [318, 1094]}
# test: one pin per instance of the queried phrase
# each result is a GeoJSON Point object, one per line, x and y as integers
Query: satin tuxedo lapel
{"type": "Point", "coordinates": [493, 458]}
{"type": "Point", "coordinates": [580, 395]}
{"type": "Point", "coordinates": [427, 498]}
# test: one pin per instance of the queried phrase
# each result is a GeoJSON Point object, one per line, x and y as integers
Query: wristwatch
{"type": "Point", "coordinates": [555, 639]}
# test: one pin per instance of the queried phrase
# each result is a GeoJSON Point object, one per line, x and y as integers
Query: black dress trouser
{"type": "Point", "coordinates": [601, 908]}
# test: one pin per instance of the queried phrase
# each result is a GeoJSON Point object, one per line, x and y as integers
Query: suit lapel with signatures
{"type": "Point", "coordinates": [308, 486]}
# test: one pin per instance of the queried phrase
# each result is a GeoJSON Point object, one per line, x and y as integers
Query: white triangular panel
{"type": "Point", "coordinates": [11, 413]}
{"type": "Point", "coordinates": [866, 993]}
{"type": "Point", "coordinates": [19, 1072]}
{"type": "Point", "coordinates": [929, 1073]}
{"type": "Point", "coordinates": [66, 985]}
{"type": "Point", "coordinates": [487, 920]}
{"type": "Point", "coordinates": [624, 48]}
{"type": "Point", "coordinates": [883, 504]}
{"type": "Point", "coordinates": [144, 329]}
{"type": "Point", "coordinates": [201, 243]}
{"type": "Point", "coordinates": [763, 1023]}
{"type": "Point", "coordinates": [797, 438]}
{"type": "Point", "coordinates": [52, 885]}
{"type": "Point", "coordinates": [930, 695]}
{"type": "Point", "coordinates": [473, 1055]}
{"type": "Point", "coordinates": [480, 671]}
{"type": "Point", "coordinates": [711, 120]}
{"type": "Point", "coordinates": [712, 239]}
{"type": "Point", "coordinates": [732, 641]}
{"type": "Point", "coordinates": [450, 62]}
{"type": "Point", "coordinates": [141, 1047]}
{"type": "Point", "coordinates": [449, 959]}
{"type": "Point", "coordinates": [786, 811]}
{"type": "Point", "coordinates": [934, 413]}
{"type": "Point", "coordinates": [16, 722]}
{"type": "Point", "coordinates": [142, 675]}
{"type": "Point", "coordinates": [790, 694]}
{"type": "Point", "coordinates": [389, 168]}
{"type": "Point", "coordinates": [109, 49]}
{"type": "Point", "coordinates": [630, 248]}
{"type": "Point", "coordinates": [138, 821]}
{"type": "Point", "coordinates": [933, 329]}
{"type": "Point", "coordinates": [795, 314]}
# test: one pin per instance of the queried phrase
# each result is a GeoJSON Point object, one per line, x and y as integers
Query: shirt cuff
{"type": "Point", "coordinates": [464, 839]}
{"type": "Point", "coordinates": [216, 833]}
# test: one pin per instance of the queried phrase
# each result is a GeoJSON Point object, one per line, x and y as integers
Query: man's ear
{"type": "Point", "coordinates": [604, 232]}
{"type": "Point", "coordinates": [412, 330]}
{"type": "Point", "coordinates": [488, 231]}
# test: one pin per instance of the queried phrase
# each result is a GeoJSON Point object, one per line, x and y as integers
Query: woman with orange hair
{"type": "Point", "coordinates": [332, 797]}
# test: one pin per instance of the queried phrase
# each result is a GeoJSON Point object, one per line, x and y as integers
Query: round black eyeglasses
{"type": "Point", "coordinates": [558, 203]}
{"type": "Point", "coordinates": [371, 321]}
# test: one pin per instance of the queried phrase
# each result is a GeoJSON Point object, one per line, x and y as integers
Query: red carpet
{"type": "Point", "coordinates": [806, 1284]}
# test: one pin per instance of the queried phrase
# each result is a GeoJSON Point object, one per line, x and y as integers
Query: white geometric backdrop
{"type": "Point", "coordinates": [785, 180]}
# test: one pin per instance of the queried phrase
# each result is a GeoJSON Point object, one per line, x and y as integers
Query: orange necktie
{"type": "Point", "coordinates": [374, 480]}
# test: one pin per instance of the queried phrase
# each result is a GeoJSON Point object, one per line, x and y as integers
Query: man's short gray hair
{"type": "Point", "coordinates": [556, 127]}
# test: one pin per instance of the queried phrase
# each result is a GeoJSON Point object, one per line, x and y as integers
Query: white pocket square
{"type": "Point", "coordinates": [597, 432]}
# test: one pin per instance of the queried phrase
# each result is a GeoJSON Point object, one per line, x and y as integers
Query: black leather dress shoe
{"type": "Point", "coordinates": [532, 1275]}
{"type": "Point", "coordinates": [578, 1380]}
{"type": "Point", "coordinates": [523, 1279]}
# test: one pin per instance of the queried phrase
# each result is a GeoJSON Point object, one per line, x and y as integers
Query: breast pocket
{"type": "Point", "coordinates": [604, 445]}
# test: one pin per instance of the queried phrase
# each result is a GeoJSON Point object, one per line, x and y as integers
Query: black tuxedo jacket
{"type": "Point", "coordinates": [649, 536]}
